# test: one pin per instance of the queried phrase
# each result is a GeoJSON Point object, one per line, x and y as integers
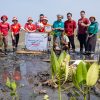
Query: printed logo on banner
{"type": "Point", "coordinates": [36, 41]}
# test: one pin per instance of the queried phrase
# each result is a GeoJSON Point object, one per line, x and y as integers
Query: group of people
{"type": "Point", "coordinates": [87, 30]}
{"type": "Point", "coordinates": [63, 31]}
{"type": "Point", "coordinates": [15, 28]}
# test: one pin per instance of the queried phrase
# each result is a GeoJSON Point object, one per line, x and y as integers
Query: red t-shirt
{"type": "Point", "coordinates": [15, 28]}
{"type": "Point", "coordinates": [69, 27]}
{"type": "Point", "coordinates": [82, 29]}
{"type": "Point", "coordinates": [40, 27]}
{"type": "Point", "coordinates": [30, 27]}
{"type": "Point", "coordinates": [4, 28]}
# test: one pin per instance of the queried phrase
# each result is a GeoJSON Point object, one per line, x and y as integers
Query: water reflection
{"type": "Point", "coordinates": [24, 68]}
{"type": "Point", "coordinates": [15, 75]}
{"type": "Point", "coordinates": [5, 74]}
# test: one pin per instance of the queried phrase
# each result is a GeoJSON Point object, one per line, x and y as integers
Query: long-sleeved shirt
{"type": "Point", "coordinates": [93, 28]}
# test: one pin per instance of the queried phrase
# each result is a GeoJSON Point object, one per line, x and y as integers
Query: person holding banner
{"type": "Point", "coordinates": [29, 26]}
{"type": "Point", "coordinates": [15, 28]}
{"type": "Point", "coordinates": [39, 24]}
{"type": "Point", "coordinates": [47, 29]}
{"type": "Point", "coordinates": [58, 28]}
{"type": "Point", "coordinates": [4, 28]}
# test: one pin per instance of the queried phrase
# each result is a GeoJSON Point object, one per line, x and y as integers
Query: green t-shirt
{"type": "Point", "coordinates": [93, 28]}
{"type": "Point", "coordinates": [58, 24]}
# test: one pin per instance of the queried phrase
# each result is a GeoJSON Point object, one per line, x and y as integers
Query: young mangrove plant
{"type": "Point", "coordinates": [13, 87]}
{"type": "Point", "coordinates": [85, 77]}
{"type": "Point", "coordinates": [59, 68]}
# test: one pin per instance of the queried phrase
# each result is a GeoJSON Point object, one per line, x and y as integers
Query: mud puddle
{"type": "Point", "coordinates": [30, 71]}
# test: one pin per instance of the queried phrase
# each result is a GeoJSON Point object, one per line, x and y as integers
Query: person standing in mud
{"type": "Point", "coordinates": [4, 28]}
{"type": "Point", "coordinates": [58, 28]}
{"type": "Point", "coordinates": [15, 29]}
{"type": "Point", "coordinates": [83, 24]}
{"type": "Point", "coordinates": [92, 35]}
{"type": "Point", "coordinates": [69, 27]}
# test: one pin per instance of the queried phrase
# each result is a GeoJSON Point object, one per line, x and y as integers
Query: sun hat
{"type": "Point", "coordinates": [92, 17]}
{"type": "Point", "coordinates": [45, 18]}
{"type": "Point", "coordinates": [4, 16]}
{"type": "Point", "coordinates": [14, 19]}
{"type": "Point", "coordinates": [30, 19]}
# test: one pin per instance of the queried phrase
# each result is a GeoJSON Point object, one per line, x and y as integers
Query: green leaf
{"type": "Point", "coordinates": [8, 83]}
{"type": "Point", "coordinates": [62, 57]}
{"type": "Point", "coordinates": [66, 72]}
{"type": "Point", "coordinates": [46, 97]}
{"type": "Point", "coordinates": [13, 85]}
{"type": "Point", "coordinates": [81, 72]}
{"type": "Point", "coordinates": [88, 65]}
{"type": "Point", "coordinates": [76, 93]}
{"type": "Point", "coordinates": [12, 94]}
{"type": "Point", "coordinates": [54, 63]}
{"type": "Point", "coordinates": [73, 98]}
{"type": "Point", "coordinates": [92, 75]}
{"type": "Point", "coordinates": [68, 58]}
{"type": "Point", "coordinates": [75, 82]}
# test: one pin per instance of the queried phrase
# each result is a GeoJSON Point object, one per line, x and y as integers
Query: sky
{"type": "Point", "coordinates": [22, 9]}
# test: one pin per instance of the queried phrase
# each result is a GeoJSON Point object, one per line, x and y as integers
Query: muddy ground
{"type": "Point", "coordinates": [30, 71]}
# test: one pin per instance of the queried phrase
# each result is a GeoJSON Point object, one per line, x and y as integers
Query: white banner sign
{"type": "Point", "coordinates": [48, 28]}
{"type": "Point", "coordinates": [36, 41]}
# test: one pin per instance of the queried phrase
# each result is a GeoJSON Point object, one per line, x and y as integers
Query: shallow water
{"type": "Point", "coordinates": [24, 69]}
